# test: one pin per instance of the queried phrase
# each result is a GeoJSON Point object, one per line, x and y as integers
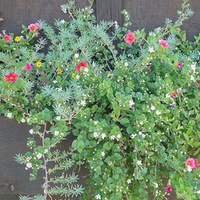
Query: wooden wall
{"type": "Point", "coordinates": [147, 14]}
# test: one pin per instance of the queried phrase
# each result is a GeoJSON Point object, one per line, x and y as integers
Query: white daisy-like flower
{"type": "Point", "coordinates": [112, 137]}
{"type": "Point", "coordinates": [55, 81]}
{"type": "Point", "coordinates": [96, 134]}
{"type": "Point", "coordinates": [86, 70]}
{"type": "Point", "coordinates": [131, 103]}
{"type": "Point", "coordinates": [103, 135]}
{"type": "Point", "coordinates": [102, 153]}
{"type": "Point", "coordinates": [129, 181]}
{"type": "Point", "coordinates": [77, 76]}
{"type": "Point", "coordinates": [58, 118]}
{"type": "Point", "coordinates": [28, 165]}
{"type": "Point", "coordinates": [39, 155]}
{"type": "Point", "coordinates": [139, 162]}
{"type": "Point", "coordinates": [76, 55]}
{"type": "Point", "coordinates": [152, 107]}
{"type": "Point", "coordinates": [83, 103]}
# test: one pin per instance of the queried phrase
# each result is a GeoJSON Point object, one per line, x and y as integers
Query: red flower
{"type": "Point", "coordinates": [191, 163]}
{"type": "Point", "coordinates": [196, 83]}
{"type": "Point", "coordinates": [175, 94]}
{"type": "Point", "coordinates": [130, 38]}
{"type": "Point", "coordinates": [180, 64]}
{"type": "Point", "coordinates": [11, 77]}
{"type": "Point", "coordinates": [164, 43]}
{"type": "Point", "coordinates": [7, 38]}
{"type": "Point", "coordinates": [169, 188]}
{"type": "Point", "coordinates": [34, 27]}
{"type": "Point", "coordinates": [28, 66]}
{"type": "Point", "coordinates": [81, 64]}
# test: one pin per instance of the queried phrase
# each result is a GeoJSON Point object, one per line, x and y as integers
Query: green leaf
{"type": "Point", "coordinates": [124, 121]}
{"type": "Point", "coordinates": [116, 109]}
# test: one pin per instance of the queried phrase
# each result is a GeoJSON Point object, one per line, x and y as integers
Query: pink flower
{"type": "Point", "coordinates": [7, 38]}
{"type": "Point", "coordinates": [175, 94]}
{"type": "Point", "coordinates": [34, 27]}
{"type": "Point", "coordinates": [130, 38]}
{"type": "Point", "coordinates": [169, 188]}
{"type": "Point", "coordinates": [11, 77]}
{"type": "Point", "coordinates": [180, 64]}
{"type": "Point", "coordinates": [164, 43]}
{"type": "Point", "coordinates": [196, 83]}
{"type": "Point", "coordinates": [28, 66]}
{"type": "Point", "coordinates": [81, 64]}
{"type": "Point", "coordinates": [191, 163]}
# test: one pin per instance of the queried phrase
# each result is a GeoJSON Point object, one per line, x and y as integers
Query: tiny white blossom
{"type": "Point", "coordinates": [58, 118]}
{"type": "Point", "coordinates": [158, 112]}
{"type": "Point", "coordinates": [133, 136]}
{"type": "Point", "coordinates": [76, 55]}
{"type": "Point", "coordinates": [189, 169]}
{"type": "Point", "coordinates": [46, 151]}
{"type": "Point", "coordinates": [116, 24]}
{"type": "Point", "coordinates": [56, 133]}
{"type": "Point", "coordinates": [129, 181]}
{"type": "Point", "coordinates": [28, 165]}
{"type": "Point", "coordinates": [98, 196]}
{"type": "Point", "coordinates": [102, 154]}
{"type": "Point", "coordinates": [103, 135]}
{"type": "Point", "coordinates": [62, 21]}
{"type": "Point", "coordinates": [23, 120]}
{"type": "Point", "coordinates": [118, 136]}
{"type": "Point", "coordinates": [131, 103]}
{"type": "Point", "coordinates": [126, 64]}
{"type": "Point", "coordinates": [83, 103]}
{"type": "Point", "coordinates": [152, 107]}
{"type": "Point", "coordinates": [192, 78]}
{"type": "Point", "coordinates": [9, 115]}
{"type": "Point", "coordinates": [95, 122]}
{"type": "Point", "coordinates": [86, 70]}
{"type": "Point", "coordinates": [77, 76]}
{"type": "Point", "coordinates": [31, 131]}
{"type": "Point", "coordinates": [39, 155]}
{"type": "Point", "coordinates": [193, 67]}
{"type": "Point", "coordinates": [112, 137]}
{"type": "Point", "coordinates": [167, 95]}
{"type": "Point", "coordinates": [96, 134]}
{"type": "Point", "coordinates": [151, 49]}
{"type": "Point", "coordinates": [139, 162]}
{"type": "Point", "coordinates": [55, 81]}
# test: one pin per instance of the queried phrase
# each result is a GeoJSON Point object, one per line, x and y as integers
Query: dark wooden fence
{"type": "Point", "coordinates": [147, 14]}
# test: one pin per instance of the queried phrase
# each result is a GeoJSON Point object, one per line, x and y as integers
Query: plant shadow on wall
{"type": "Point", "coordinates": [134, 108]}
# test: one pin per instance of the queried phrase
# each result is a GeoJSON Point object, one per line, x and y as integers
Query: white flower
{"type": "Point", "coordinates": [77, 76]}
{"type": "Point", "coordinates": [132, 136]}
{"type": "Point", "coordinates": [31, 131]}
{"type": "Point", "coordinates": [56, 133]}
{"type": "Point", "coordinates": [126, 64]}
{"type": "Point", "coordinates": [112, 137]}
{"type": "Point", "coordinates": [86, 70]}
{"type": "Point", "coordinates": [98, 196]}
{"type": "Point", "coordinates": [131, 103]}
{"type": "Point", "coordinates": [193, 66]}
{"type": "Point", "coordinates": [28, 165]}
{"type": "Point", "coordinates": [167, 95]}
{"type": "Point", "coordinates": [158, 112]}
{"type": "Point", "coordinates": [95, 122]}
{"type": "Point", "coordinates": [118, 136]}
{"type": "Point", "coordinates": [102, 154]}
{"type": "Point", "coordinates": [189, 169]}
{"type": "Point", "coordinates": [58, 118]}
{"type": "Point", "coordinates": [198, 192]}
{"type": "Point", "coordinates": [46, 151]}
{"type": "Point", "coordinates": [192, 78]}
{"type": "Point", "coordinates": [59, 89]}
{"type": "Point", "coordinates": [116, 24]}
{"type": "Point", "coordinates": [103, 135]}
{"type": "Point", "coordinates": [76, 55]}
{"type": "Point", "coordinates": [23, 120]}
{"type": "Point", "coordinates": [139, 162]}
{"type": "Point", "coordinates": [129, 181]}
{"type": "Point", "coordinates": [39, 155]}
{"type": "Point", "coordinates": [9, 115]}
{"type": "Point", "coordinates": [152, 107]}
{"type": "Point", "coordinates": [83, 103]}
{"type": "Point", "coordinates": [55, 81]}
{"type": "Point", "coordinates": [96, 134]}
{"type": "Point", "coordinates": [151, 49]}
{"type": "Point", "coordinates": [62, 21]}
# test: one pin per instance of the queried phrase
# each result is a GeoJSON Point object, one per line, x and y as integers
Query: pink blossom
{"type": "Point", "coordinates": [81, 64]}
{"type": "Point", "coordinates": [180, 64]}
{"type": "Point", "coordinates": [11, 77]}
{"type": "Point", "coordinates": [28, 66]}
{"type": "Point", "coordinates": [7, 38]}
{"type": "Point", "coordinates": [191, 163]}
{"type": "Point", "coordinates": [34, 27]}
{"type": "Point", "coordinates": [175, 94]}
{"type": "Point", "coordinates": [169, 188]}
{"type": "Point", "coordinates": [196, 83]}
{"type": "Point", "coordinates": [164, 43]}
{"type": "Point", "coordinates": [130, 38]}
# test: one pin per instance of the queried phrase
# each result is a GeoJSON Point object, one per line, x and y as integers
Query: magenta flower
{"type": "Point", "coordinates": [180, 64]}
{"type": "Point", "coordinates": [175, 94]}
{"type": "Point", "coordinates": [28, 66]}
{"type": "Point", "coordinates": [191, 163]}
{"type": "Point", "coordinates": [34, 27]}
{"type": "Point", "coordinates": [81, 64]}
{"type": "Point", "coordinates": [169, 188]}
{"type": "Point", "coordinates": [164, 43]}
{"type": "Point", "coordinates": [130, 38]}
{"type": "Point", "coordinates": [196, 83]}
{"type": "Point", "coordinates": [11, 77]}
{"type": "Point", "coordinates": [7, 38]}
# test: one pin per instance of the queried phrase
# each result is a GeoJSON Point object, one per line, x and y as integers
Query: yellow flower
{"type": "Point", "coordinates": [59, 71]}
{"type": "Point", "coordinates": [17, 39]}
{"type": "Point", "coordinates": [38, 64]}
{"type": "Point", "coordinates": [73, 75]}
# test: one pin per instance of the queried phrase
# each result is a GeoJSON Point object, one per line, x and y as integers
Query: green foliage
{"type": "Point", "coordinates": [134, 108]}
